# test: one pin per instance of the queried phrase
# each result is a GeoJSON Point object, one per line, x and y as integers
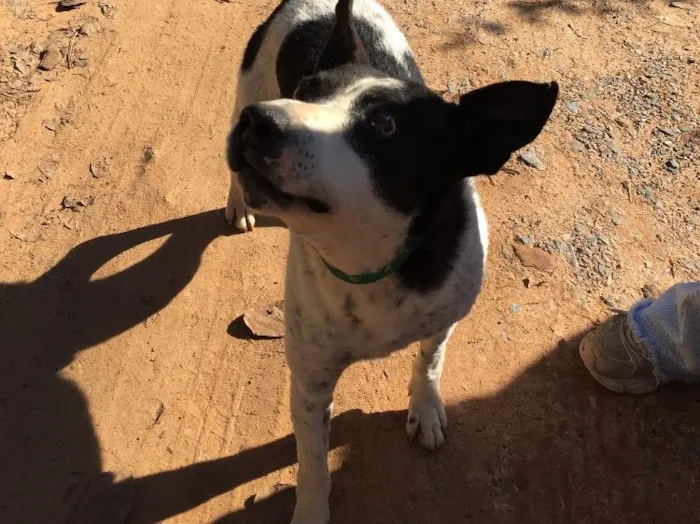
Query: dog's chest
{"type": "Point", "coordinates": [360, 321]}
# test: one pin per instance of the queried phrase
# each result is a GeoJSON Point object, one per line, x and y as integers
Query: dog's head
{"type": "Point", "coordinates": [357, 147]}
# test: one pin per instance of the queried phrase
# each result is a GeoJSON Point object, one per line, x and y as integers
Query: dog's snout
{"type": "Point", "coordinates": [261, 124]}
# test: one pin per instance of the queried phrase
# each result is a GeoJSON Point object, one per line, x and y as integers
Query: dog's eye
{"type": "Point", "coordinates": [383, 124]}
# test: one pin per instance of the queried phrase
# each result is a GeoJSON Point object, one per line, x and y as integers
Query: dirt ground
{"type": "Point", "coordinates": [129, 390]}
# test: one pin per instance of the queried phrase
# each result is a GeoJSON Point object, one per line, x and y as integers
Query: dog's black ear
{"type": "Point", "coordinates": [498, 119]}
{"type": "Point", "coordinates": [344, 45]}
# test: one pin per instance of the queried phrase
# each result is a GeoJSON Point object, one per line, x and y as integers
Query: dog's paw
{"type": "Point", "coordinates": [426, 417]}
{"type": "Point", "coordinates": [311, 515]}
{"type": "Point", "coordinates": [239, 216]}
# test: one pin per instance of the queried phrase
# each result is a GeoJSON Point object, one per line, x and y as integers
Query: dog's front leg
{"type": "Point", "coordinates": [312, 406]}
{"type": "Point", "coordinates": [237, 213]}
{"type": "Point", "coordinates": [426, 412]}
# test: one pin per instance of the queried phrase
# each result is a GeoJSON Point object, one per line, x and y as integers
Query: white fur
{"type": "Point", "coordinates": [330, 323]}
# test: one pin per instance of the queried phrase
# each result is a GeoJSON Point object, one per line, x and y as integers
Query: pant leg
{"type": "Point", "coordinates": [669, 327]}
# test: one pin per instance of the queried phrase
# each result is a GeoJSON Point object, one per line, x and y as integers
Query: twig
{"type": "Point", "coordinates": [71, 46]}
{"type": "Point", "coordinates": [628, 186]}
{"type": "Point", "coordinates": [576, 32]}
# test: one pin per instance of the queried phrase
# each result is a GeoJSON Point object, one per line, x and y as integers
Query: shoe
{"type": "Point", "coordinates": [616, 359]}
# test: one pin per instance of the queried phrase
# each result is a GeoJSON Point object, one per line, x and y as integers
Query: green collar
{"type": "Point", "coordinates": [385, 271]}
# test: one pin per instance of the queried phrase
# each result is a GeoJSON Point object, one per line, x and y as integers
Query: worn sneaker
{"type": "Point", "coordinates": [616, 359]}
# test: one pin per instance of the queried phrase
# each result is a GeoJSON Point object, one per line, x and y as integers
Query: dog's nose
{"type": "Point", "coordinates": [261, 125]}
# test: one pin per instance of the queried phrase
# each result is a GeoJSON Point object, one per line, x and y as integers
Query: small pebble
{"type": "Point", "coordinates": [673, 164]}
{"type": "Point", "coordinates": [50, 58]}
{"type": "Point", "coordinates": [515, 308]}
{"type": "Point", "coordinates": [524, 239]}
{"type": "Point", "coordinates": [70, 4]}
{"type": "Point", "coordinates": [90, 28]}
{"type": "Point", "coordinates": [531, 159]}
{"type": "Point", "coordinates": [650, 290]}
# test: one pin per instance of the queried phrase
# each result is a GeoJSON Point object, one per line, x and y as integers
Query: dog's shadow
{"type": "Point", "coordinates": [49, 452]}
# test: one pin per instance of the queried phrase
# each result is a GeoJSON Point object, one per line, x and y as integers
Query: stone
{"type": "Point", "coordinates": [535, 257]}
{"type": "Point", "coordinates": [529, 158]}
{"type": "Point", "coordinates": [50, 58]}
{"type": "Point", "coordinates": [650, 290]}
{"type": "Point", "coordinates": [265, 321]}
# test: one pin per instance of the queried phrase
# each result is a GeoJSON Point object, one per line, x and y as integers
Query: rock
{"type": "Point", "coordinates": [90, 28]}
{"type": "Point", "coordinates": [535, 257]}
{"type": "Point", "coordinates": [614, 148]}
{"type": "Point", "coordinates": [9, 175]}
{"type": "Point", "coordinates": [673, 165]}
{"type": "Point", "coordinates": [669, 132]}
{"type": "Point", "coordinates": [76, 205]}
{"type": "Point", "coordinates": [50, 58]}
{"type": "Point", "coordinates": [524, 239]}
{"type": "Point", "coordinates": [573, 107]}
{"type": "Point", "coordinates": [265, 321]}
{"type": "Point", "coordinates": [51, 124]}
{"type": "Point", "coordinates": [529, 158]}
{"type": "Point", "coordinates": [683, 5]}
{"type": "Point", "coordinates": [71, 4]}
{"type": "Point", "coordinates": [109, 10]}
{"type": "Point", "coordinates": [650, 290]}
{"type": "Point", "coordinates": [100, 168]}
{"type": "Point", "coordinates": [515, 308]}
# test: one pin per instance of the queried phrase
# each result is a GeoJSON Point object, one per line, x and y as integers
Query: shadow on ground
{"type": "Point", "coordinates": [50, 455]}
{"type": "Point", "coordinates": [550, 447]}
{"type": "Point", "coordinates": [536, 10]}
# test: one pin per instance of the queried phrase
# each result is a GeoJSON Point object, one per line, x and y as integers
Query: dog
{"type": "Point", "coordinates": [336, 133]}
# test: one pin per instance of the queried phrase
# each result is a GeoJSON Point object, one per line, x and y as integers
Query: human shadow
{"type": "Point", "coordinates": [49, 453]}
{"type": "Point", "coordinates": [551, 447]}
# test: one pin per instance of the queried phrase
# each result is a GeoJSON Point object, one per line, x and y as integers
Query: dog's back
{"type": "Point", "coordinates": [288, 45]}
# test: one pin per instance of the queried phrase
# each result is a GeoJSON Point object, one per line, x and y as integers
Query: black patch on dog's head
{"type": "Point", "coordinates": [303, 50]}
{"type": "Point", "coordinates": [419, 167]}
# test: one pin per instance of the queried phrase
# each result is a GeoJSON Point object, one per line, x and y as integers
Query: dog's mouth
{"type": "Point", "coordinates": [259, 191]}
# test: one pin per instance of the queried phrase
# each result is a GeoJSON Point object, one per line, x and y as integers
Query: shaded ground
{"type": "Point", "coordinates": [117, 352]}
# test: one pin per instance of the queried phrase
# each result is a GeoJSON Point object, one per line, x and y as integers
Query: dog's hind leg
{"type": "Point", "coordinates": [426, 412]}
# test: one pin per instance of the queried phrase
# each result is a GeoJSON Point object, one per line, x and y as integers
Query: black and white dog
{"type": "Point", "coordinates": [337, 134]}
